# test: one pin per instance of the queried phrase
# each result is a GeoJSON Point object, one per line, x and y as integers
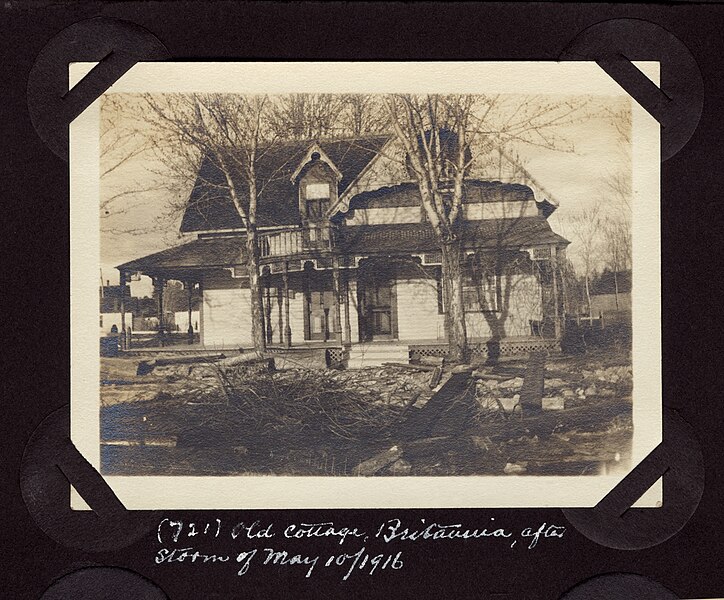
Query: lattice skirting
{"type": "Point", "coordinates": [336, 357]}
{"type": "Point", "coordinates": [507, 348]}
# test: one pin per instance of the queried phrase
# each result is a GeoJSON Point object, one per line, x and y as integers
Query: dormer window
{"type": "Point", "coordinates": [317, 200]}
{"type": "Point", "coordinates": [317, 178]}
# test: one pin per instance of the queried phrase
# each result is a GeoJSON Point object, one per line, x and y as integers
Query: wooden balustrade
{"type": "Point", "coordinates": [294, 241]}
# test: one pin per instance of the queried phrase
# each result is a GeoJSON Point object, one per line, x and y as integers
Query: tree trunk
{"type": "Point", "coordinates": [257, 317]}
{"type": "Point", "coordinates": [615, 283]}
{"type": "Point", "coordinates": [588, 299]}
{"type": "Point", "coordinates": [452, 279]}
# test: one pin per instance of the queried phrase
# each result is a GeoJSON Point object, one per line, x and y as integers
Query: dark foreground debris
{"type": "Point", "coordinates": [551, 415]}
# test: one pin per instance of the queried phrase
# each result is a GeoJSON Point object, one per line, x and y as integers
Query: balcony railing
{"type": "Point", "coordinates": [312, 238]}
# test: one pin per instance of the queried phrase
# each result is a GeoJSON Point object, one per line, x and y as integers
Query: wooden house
{"type": "Point", "coordinates": [349, 260]}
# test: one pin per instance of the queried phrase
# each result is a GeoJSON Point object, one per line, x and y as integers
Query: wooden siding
{"type": "Point", "coordinates": [226, 318]}
{"type": "Point", "coordinates": [500, 210]}
{"type": "Point", "coordinates": [385, 216]}
{"type": "Point", "coordinates": [417, 310]}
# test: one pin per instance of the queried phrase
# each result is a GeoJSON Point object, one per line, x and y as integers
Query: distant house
{"type": "Point", "coordinates": [611, 293]}
{"type": "Point", "coordinates": [348, 257]}
{"type": "Point", "coordinates": [110, 320]}
{"type": "Point", "coordinates": [118, 306]}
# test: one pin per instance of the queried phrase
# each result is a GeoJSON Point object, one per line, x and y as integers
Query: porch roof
{"type": "Point", "coordinates": [202, 253]}
{"type": "Point", "coordinates": [219, 252]}
{"type": "Point", "coordinates": [420, 237]}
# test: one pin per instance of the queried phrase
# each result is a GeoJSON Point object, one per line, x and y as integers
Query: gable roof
{"type": "Point", "coordinates": [209, 206]}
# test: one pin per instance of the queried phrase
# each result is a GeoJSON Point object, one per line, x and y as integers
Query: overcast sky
{"type": "Point", "coordinates": [575, 179]}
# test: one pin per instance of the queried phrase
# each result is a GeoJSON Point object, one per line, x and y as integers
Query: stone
{"type": "Point", "coordinates": [482, 443]}
{"type": "Point", "coordinates": [568, 394]}
{"type": "Point", "coordinates": [551, 384]}
{"type": "Point", "coordinates": [510, 384]}
{"type": "Point", "coordinates": [514, 469]}
{"type": "Point", "coordinates": [553, 403]}
{"type": "Point", "coordinates": [509, 404]}
{"type": "Point", "coordinates": [379, 461]}
{"type": "Point", "coordinates": [400, 467]}
{"type": "Point", "coordinates": [432, 360]}
{"type": "Point", "coordinates": [591, 390]}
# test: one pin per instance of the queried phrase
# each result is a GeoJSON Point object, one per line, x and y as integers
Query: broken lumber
{"type": "Point", "coordinates": [146, 366]}
{"type": "Point", "coordinates": [250, 360]}
{"type": "Point", "coordinates": [435, 377]}
{"type": "Point", "coordinates": [531, 395]}
{"type": "Point", "coordinates": [378, 462]}
{"type": "Point", "coordinates": [449, 412]}
{"type": "Point", "coordinates": [409, 367]}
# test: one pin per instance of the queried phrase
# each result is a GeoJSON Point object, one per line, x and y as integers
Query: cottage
{"type": "Point", "coordinates": [348, 258]}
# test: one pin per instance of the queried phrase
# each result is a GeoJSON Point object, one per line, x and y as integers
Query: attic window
{"type": "Point", "coordinates": [317, 191]}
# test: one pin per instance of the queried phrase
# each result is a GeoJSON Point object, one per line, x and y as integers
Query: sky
{"type": "Point", "coordinates": [147, 220]}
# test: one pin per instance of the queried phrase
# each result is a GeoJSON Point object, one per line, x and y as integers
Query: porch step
{"type": "Point", "coordinates": [374, 355]}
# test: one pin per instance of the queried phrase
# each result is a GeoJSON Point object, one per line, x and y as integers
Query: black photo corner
{"type": "Point", "coordinates": [608, 551]}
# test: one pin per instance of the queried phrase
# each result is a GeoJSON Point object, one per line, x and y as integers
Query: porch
{"type": "Point", "coordinates": [377, 285]}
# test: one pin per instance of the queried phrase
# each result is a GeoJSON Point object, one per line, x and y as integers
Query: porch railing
{"type": "Point", "coordinates": [295, 241]}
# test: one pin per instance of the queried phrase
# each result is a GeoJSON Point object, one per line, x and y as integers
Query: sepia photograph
{"type": "Point", "coordinates": [360, 285]}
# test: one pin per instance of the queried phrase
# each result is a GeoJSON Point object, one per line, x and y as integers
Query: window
{"type": "Point", "coordinates": [482, 292]}
{"type": "Point", "coordinates": [317, 190]}
{"type": "Point", "coordinates": [317, 208]}
{"type": "Point", "coordinates": [316, 200]}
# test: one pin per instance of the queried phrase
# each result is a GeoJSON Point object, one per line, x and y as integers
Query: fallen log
{"type": "Point", "coordinates": [250, 360]}
{"type": "Point", "coordinates": [146, 366]}
{"type": "Point", "coordinates": [409, 367]}
{"type": "Point", "coordinates": [378, 462]}
{"type": "Point", "coordinates": [489, 376]}
{"type": "Point", "coordinates": [543, 424]}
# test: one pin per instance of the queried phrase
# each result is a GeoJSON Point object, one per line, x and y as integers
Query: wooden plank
{"type": "Point", "coordinates": [449, 411]}
{"type": "Point", "coordinates": [531, 395]}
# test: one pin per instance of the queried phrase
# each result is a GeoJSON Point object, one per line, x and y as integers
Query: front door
{"type": "Point", "coordinates": [377, 307]}
{"type": "Point", "coordinates": [319, 314]}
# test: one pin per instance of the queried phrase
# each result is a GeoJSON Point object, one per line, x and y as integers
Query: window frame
{"type": "Point", "coordinates": [493, 283]}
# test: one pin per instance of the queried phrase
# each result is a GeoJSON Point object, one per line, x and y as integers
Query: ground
{"type": "Point", "coordinates": [233, 417]}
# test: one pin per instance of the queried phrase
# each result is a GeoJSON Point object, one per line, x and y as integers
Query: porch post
{"type": "Point", "coordinates": [267, 310]}
{"type": "Point", "coordinates": [280, 300]}
{"type": "Point", "coordinates": [337, 293]}
{"type": "Point", "coordinates": [287, 326]}
{"type": "Point", "coordinates": [554, 268]}
{"type": "Point", "coordinates": [347, 325]}
{"type": "Point", "coordinates": [122, 281]}
{"type": "Point", "coordinates": [190, 330]}
{"type": "Point", "coordinates": [159, 283]}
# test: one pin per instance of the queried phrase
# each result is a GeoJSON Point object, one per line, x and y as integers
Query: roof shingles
{"type": "Point", "coordinates": [209, 206]}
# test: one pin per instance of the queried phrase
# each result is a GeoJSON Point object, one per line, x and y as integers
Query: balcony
{"type": "Point", "coordinates": [291, 242]}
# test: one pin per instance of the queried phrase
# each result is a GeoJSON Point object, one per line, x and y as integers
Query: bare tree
{"type": "Point", "coordinates": [440, 134]}
{"type": "Point", "coordinates": [315, 116]}
{"type": "Point", "coordinates": [306, 116]}
{"type": "Point", "coordinates": [586, 226]}
{"type": "Point", "coordinates": [232, 133]}
{"type": "Point", "coordinates": [616, 232]}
